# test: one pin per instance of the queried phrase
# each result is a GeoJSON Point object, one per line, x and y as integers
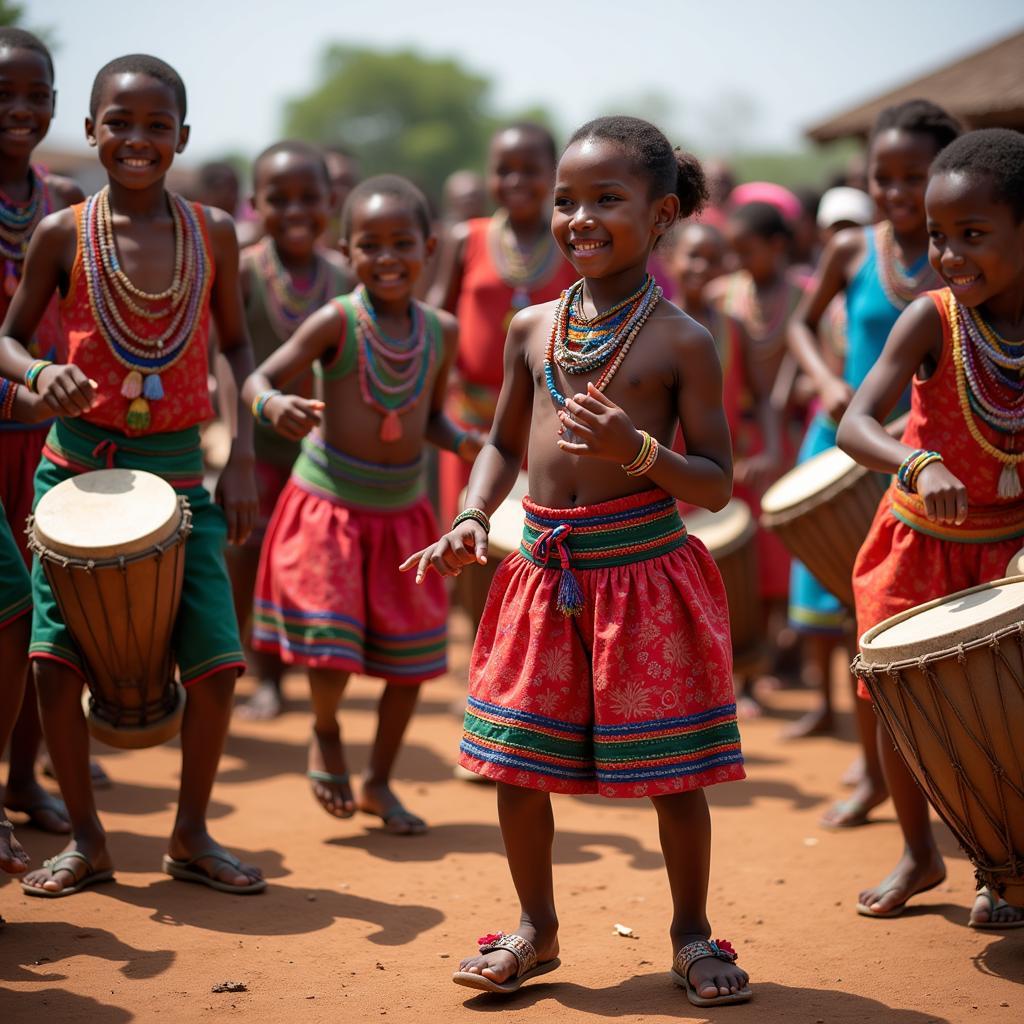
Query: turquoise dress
{"type": "Point", "coordinates": [870, 317]}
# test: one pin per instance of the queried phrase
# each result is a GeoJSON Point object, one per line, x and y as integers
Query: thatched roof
{"type": "Point", "coordinates": [984, 89]}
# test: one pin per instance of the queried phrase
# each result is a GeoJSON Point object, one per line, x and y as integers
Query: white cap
{"type": "Point", "coordinates": [844, 203]}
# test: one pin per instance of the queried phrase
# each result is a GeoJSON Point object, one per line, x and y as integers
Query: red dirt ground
{"type": "Point", "coordinates": [358, 925]}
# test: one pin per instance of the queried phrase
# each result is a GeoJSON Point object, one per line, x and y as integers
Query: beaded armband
{"type": "Point", "coordinates": [8, 394]}
{"type": "Point", "coordinates": [32, 373]}
{"type": "Point", "coordinates": [478, 515]}
{"type": "Point", "coordinates": [910, 469]}
{"type": "Point", "coordinates": [645, 458]}
{"type": "Point", "coordinates": [259, 405]}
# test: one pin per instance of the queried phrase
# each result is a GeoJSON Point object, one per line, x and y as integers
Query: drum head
{"type": "Point", "coordinates": [107, 513]}
{"type": "Point", "coordinates": [938, 625]}
{"type": "Point", "coordinates": [724, 531]}
{"type": "Point", "coordinates": [808, 479]}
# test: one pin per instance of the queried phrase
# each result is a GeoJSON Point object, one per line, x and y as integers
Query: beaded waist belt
{"type": "Point", "coordinates": [80, 446]}
{"type": "Point", "coordinates": [620, 532]}
{"type": "Point", "coordinates": [983, 525]}
{"type": "Point", "coordinates": [472, 404]}
{"type": "Point", "coordinates": [332, 474]}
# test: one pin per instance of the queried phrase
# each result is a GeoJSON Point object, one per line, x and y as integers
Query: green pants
{"type": "Point", "coordinates": [15, 589]}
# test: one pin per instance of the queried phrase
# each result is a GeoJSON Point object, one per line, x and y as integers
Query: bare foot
{"type": "Point", "coordinates": [13, 858]}
{"type": "Point", "coordinates": [45, 811]}
{"type": "Point", "coordinates": [989, 911]}
{"type": "Point", "coordinates": [201, 845]}
{"type": "Point", "coordinates": [818, 722]}
{"type": "Point", "coordinates": [72, 870]}
{"type": "Point", "coordinates": [329, 774]}
{"type": "Point", "coordinates": [908, 879]}
{"type": "Point", "coordinates": [378, 799]}
{"type": "Point", "coordinates": [264, 705]}
{"type": "Point", "coordinates": [501, 965]}
{"type": "Point", "coordinates": [854, 811]}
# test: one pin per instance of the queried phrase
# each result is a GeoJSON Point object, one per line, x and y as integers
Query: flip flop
{"type": "Point", "coordinates": [315, 775]}
{"type": "Point", "coordinates": [390, 818]}
{"type": "Point", "coordinates": [52, 804]}
{"type": "Point", "coordinates": [865, 911]}
{"type": "Point", "coordinates": [702, 949]}
{"type": "Point", "coordinates": [55, 864]}
{"type": "Point", "coordinates": [189, 871]}
{"type": "Point", "coordinates": [994, 903]}
{"type": "Point", "coordinates": [527, 966]}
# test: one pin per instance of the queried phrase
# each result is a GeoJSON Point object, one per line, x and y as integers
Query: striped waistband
{"type": "Point", "coordinates": [984, 523]}
{"type": "Point", "coordinates": [618, 532]}
{"type": "Point", "coordinates": [334, 475]}
{"type": "Point", "coordinates": [81, 447]}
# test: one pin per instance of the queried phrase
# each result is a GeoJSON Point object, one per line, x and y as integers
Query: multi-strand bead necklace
{"type": "Point", "coordinates": [288, 306]}
{"type": "Point", "coordinates": [172, 315]}
{"type": "Point", "coordinates": [392, 373]}
{"type": "Point", "coordinates": [901, 286]}
{"type": "Point", "coordinates": [521, 269]}
{"type": "Point", "coordinates": [983, 361]}
{"type": "Point", "coordinates": [579, 344]}
{"type": "Point", "coordinates": [17, 222]}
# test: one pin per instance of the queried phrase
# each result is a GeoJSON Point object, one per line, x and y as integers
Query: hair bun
{"type": "Point", "coordinates": [691, 184]}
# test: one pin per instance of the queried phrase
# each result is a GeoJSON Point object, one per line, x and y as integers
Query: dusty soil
{"type": "Point", "coordinates": [358, 925]}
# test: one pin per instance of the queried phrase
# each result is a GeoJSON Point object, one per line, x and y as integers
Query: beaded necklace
{"type": "Point", "coordinates": [174, 313]}
{"type": "Point", "coordinates": [392, 373]}
{"type": "Point", "coordinates": [1007, 417]}
{"type": "Point", "coordinates": [288, 306]}
{"type": "Point", "coordinates": [581, 345]}
{"type": "Point", "coordinates": [522, 270]}
{"type": "Point", "coordinates": [901, 286]}
{"type": "Point", "coordinates": [17, 222]}
{"type": "Point", "coordinates": [763, 326]}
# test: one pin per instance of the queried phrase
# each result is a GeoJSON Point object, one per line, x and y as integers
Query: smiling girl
{"type": "Point", "coordinates": [603, 662]}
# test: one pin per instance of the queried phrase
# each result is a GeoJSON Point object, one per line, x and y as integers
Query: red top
{"type": "Point", "coordinates": [186, 400]}
{"type": "Point", "coordinates": [485, 305]}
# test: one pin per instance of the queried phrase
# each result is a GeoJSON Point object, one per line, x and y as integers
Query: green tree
{"type": "Point", "coordinates": [10, 14]}
{"type": "Point", "coordinates": [400, 111]}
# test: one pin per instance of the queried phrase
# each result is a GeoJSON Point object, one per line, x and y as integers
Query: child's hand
{"type": "Point", "coordinates": [466, 544]}
{"type": "Point", "coordinates": [65, 389]}
{"type": "Point", "coordinates": [237, 495]}
{"type": "Point", "coordinates": [601, 429]}
{"type": "Point", "coordinates": [945, 497]}
{"type": "Point", "coordinates": [758, 472]}
{"type": "Point", "coordinates": [291, 416]}
{"type": "Point", "coordinates": [835, 397]}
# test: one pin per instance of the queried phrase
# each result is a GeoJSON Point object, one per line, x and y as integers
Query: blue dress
{"type": "Point", "coordinates": [870, 317]}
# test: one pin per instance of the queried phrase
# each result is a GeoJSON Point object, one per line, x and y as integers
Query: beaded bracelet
{"type": "Point", "coordinates": [645, 458]}
{"type": "Point", "coordinates": [32, 373]}
{"type": "Point", "coordinates": [8, 394]}
{"type": "Point", "coordinates": [910, 468]}
{"type": "Point", "coordinates": [478, 515]}
{"type": "Point", "coordinates": [259, 404]}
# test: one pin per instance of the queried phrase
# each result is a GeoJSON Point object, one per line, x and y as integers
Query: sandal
{"type": "Point", "coordinates": [526, 965]}
{"type": "Point", "coordinates": [994, 903]}
{"type": "Point", "coordinates": [720, 949]}
{"type": "Point", "coordinates": [59, 863]}
{"type": "Point", "coordinates": [331, 779]}
{"type": "Point", "coordinates": [189, 871]}
{"type": "Point", "coordinates": [398, 821]}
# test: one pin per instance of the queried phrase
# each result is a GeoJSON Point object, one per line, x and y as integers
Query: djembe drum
{"type": "Point", "coordinates": [112, 545]}
{"type": "Point", "coordinates": [947, 678]}
{"type": "Point", "coordinates": [821, 511]}
{"type": "Point", "coordinates": [730, 535]}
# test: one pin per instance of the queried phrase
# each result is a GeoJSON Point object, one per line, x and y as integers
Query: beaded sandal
{"type": "Point", "coordinates": [720, 949]}
{"type": "Point", "coordinates": [526, 964]}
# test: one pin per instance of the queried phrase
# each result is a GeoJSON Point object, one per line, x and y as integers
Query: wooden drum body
{"type": "Point", "coordinates": [947, 679]}
{"type": "Point", "coordinates": [730, 536]}
{"type": "Point", "coordinates": [112, 545]}
{"type": "Point", "coordinates": [821, 511]}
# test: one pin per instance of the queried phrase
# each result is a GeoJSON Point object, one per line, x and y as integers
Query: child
{"type": "Point", "coordinates": [27, 194]}
{"type": "Point", "coordinates": [609, 626]}
{"type": "Point", "coordinates": [961, 446]}
{"type": "Point", "coordinates": [328, 595]}
{"type": "Point", "coordinates": [285, 277]}
{"type": "Point", "coordinates": [494, 267]}
{"type": "Point", "coordinates": [762, 295]}
{"type": "Point", "coordinates": [130, 250]}
{"type": "Point", "coordinates": [878, 269]}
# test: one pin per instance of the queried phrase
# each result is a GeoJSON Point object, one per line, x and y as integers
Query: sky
{"type": "Point", "coordinates": [735, 73]}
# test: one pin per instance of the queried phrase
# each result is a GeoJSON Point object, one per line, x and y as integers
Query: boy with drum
{"type": "Point", "coordinates": [955, 514]}
{"type": "Point", "coordinates": [140, 272]}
